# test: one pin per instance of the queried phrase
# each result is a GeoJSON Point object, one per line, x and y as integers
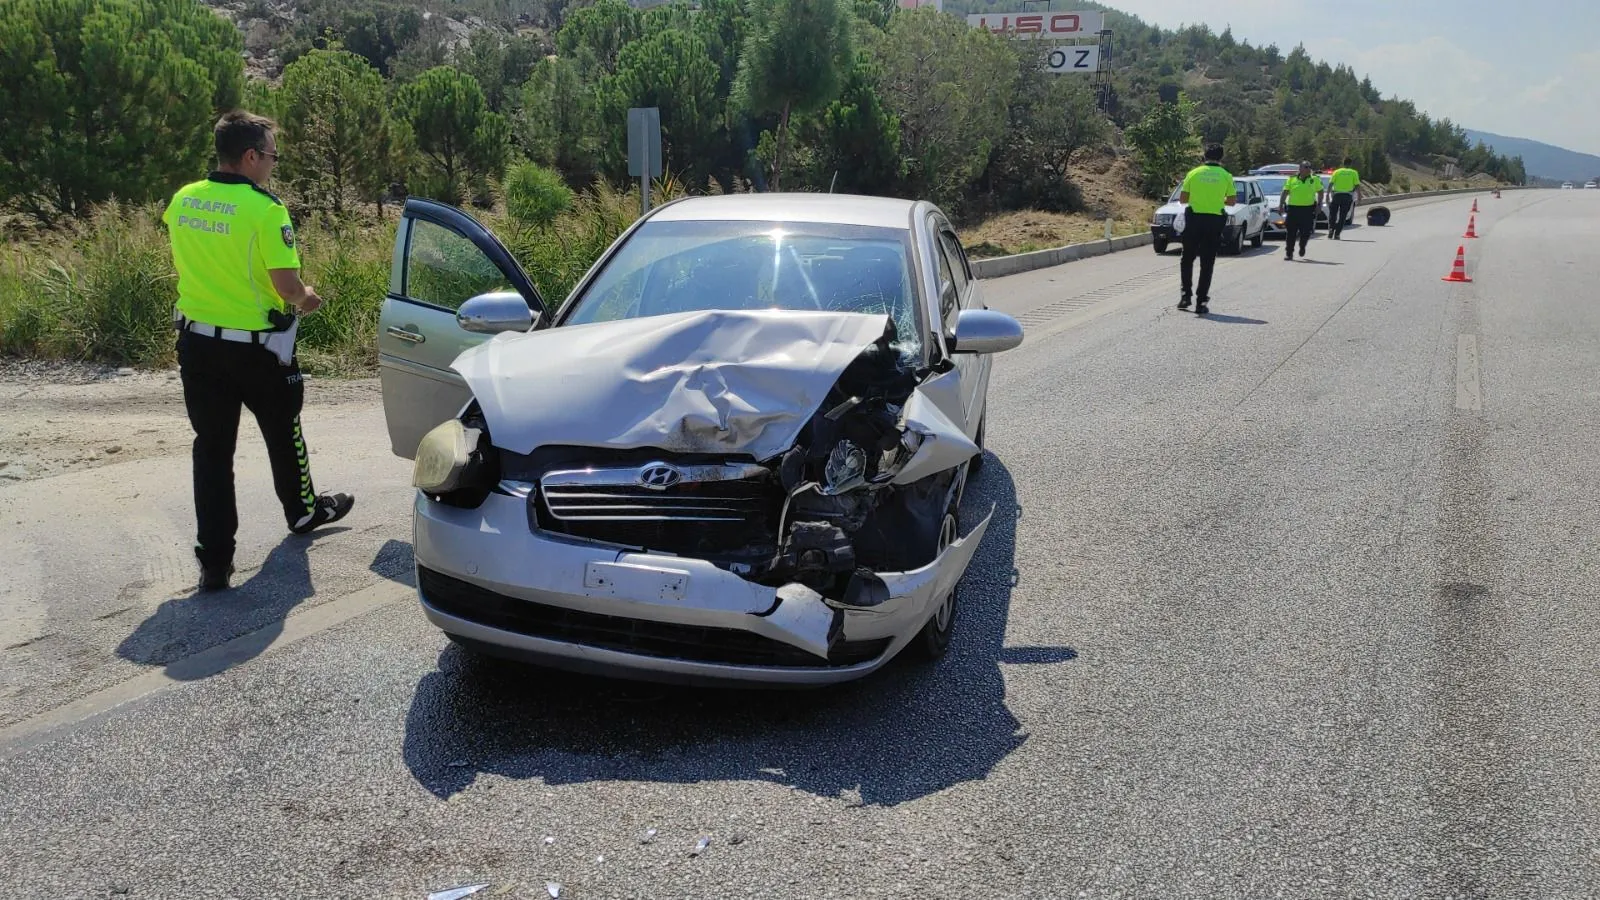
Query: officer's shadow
{"type": "Point", "coordinates": [202, 634]}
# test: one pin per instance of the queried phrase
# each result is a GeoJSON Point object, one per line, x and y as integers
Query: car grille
{"type": "Point", "coordinates": [665, 640]}
{"type": "Point", "coordinates": [691, 510]}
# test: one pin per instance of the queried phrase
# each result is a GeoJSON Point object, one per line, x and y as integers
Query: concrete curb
{"type": "Point", "coordinates": [1001, 266]}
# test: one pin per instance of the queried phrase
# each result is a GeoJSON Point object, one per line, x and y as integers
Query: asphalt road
{"type": "Point", "coordinates": [1298, 599]}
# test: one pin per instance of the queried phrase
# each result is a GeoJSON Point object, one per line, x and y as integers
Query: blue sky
{"type": "Point", "coordinates": [1526, 69]}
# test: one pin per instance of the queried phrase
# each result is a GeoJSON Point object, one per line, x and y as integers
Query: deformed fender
{"type": "Point", "coordinates": [913, 593]}
{"type": "Point", "coordinates": [944, 445]}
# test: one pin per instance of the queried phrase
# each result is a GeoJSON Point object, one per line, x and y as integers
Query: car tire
{"type": "Point", "coordinates": [1260, 237]}
{"type": "Point", "coordinates": [1161, 247]}
{"type": "Point", "coordinates": [934, 638]}
{"type": "Point", "coordinates": [1238, 242]}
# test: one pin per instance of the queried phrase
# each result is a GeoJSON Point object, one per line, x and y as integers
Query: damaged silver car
{"type": "Point", "coordinates": [736, 453]}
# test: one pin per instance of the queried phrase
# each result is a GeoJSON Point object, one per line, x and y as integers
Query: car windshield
{"type": "Point", "coordinates": [1272, 186]}
{"type": "Point", "coordinates": [674, 267]}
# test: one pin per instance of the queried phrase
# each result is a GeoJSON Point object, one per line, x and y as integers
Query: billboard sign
{"type": "Point", "coordinates": [1036, 26]}
{"type": "Point", "coordinates": [1065, 60]}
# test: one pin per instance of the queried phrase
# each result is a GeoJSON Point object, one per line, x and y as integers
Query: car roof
{"type": "Point", "coordinates": [841, 209]}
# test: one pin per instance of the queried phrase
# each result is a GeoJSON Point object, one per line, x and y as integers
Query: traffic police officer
{"type": "Point", "coordinates": [1342, 186]}
{"type": "Point", "coordinates": [1302, 193]}
{"type": "Point", "coordinates": [1206, 190]}
{"type": "Point", "coordinates": [239, 288]}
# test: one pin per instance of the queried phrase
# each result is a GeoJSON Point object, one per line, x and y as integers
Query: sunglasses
{"type": "Point", "coordinates": [272, 156]}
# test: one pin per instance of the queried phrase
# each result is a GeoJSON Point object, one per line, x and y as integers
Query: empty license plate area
{"type": "Point", "coordinates": [635, 582]}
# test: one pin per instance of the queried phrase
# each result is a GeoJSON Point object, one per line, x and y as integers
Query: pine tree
{"type": "Point", "coordinates": [794, 60]}
{"type": "Point", "coordinates": [106, 98]}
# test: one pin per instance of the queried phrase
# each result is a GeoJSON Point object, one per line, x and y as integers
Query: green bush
{"type": "Point", "coordinates": [536, 195]}
{"type": "Point", "coordinates": [350, 270]}
{"type": "Point", "coordinates": [102, 291]}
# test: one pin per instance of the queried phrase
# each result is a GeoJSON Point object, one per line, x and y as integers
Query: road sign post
{"type": "Point", "coordinates": [644, 149]}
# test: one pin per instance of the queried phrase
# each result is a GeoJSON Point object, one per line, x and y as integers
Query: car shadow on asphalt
{"type": "Point", "coordinates": [907, 731]}
{"type": "Point", "coordinates": [202, 634]}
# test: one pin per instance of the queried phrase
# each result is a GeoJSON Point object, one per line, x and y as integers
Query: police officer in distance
{"type": "Point", "coordinates": [1302, 193]}
{"type": "Point", "coordinates": [1207, 190]}
{"type": "Point", "coordinates": [239, 291]}
{"type": "Point", "coordinates": [1342, 186]}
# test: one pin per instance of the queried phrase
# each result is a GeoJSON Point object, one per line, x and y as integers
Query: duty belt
{"type": "Point", "coordinates": [237, 335]}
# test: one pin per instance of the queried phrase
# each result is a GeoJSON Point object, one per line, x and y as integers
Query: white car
{"type": "Point", "coordinates": [1247, 219]}
{"type": "Point", "coordinates": [1566, 185]}
{"type": "Point", "coordinates": [1589, 187]}
{"type": "Point", "coordinates": [736, 453]}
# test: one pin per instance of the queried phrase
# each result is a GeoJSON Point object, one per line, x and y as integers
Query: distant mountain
{"type": "Point", "coordinates": [1542, 160]}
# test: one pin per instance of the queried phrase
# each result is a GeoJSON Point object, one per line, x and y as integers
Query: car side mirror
{"type": "Point", "coordinates": [495, 312]}
{"type": "Point", "coordinates": [985, 331]}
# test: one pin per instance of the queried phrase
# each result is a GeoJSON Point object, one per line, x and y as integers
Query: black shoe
{"type": "Point", "coordinates": [329, 508]}
{"type": "Point", "coordinates": [1289, 256]}
{"type": "Point", "coordinates": [1183, 302]}
{"type": "Point", "coordinates": [1201, 308]}
{"type": "Point", "coordinates": [215, 578]}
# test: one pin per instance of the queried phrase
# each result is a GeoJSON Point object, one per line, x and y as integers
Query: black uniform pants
{"type": "Point", "coordinates": [1202, 235]}
{"type": "Point", "coordinates": [1339, 212]}
{"type": "Point", "coordinates": [220, 377]}
{"type": "Point", "coordinates": [1299, 222]}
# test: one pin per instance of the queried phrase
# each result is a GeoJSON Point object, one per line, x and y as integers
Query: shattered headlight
{"type": "Point", "coordinates": [846, 468]}
{"type": "Point", "coordinates": [444, 457]}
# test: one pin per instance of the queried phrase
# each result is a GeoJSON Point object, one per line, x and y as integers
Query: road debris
{"type": "Point", "coordinates": [549, 840]}
{"type": "Point", "coordinates": [457, 893]}
{"type": "Point", "coordinates": [648, 836]}
{"type": "Point", "coordinates": [553, 888]}
{"type": "Point", "coordinates": [700, 846]}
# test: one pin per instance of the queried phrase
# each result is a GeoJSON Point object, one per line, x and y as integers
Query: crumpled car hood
{"type": "Point", "coordinates": [723, 382]}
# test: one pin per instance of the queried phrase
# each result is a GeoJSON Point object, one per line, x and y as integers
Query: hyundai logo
{"type": "Point", "coordinates": [659, 476]}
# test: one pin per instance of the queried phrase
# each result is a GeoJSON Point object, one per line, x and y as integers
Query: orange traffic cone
{"type": "Point", "coordinates": [1472, 227]}
{"type": "Point", "coordinates": [1474, 204]}
{"type": "Point", "coordinates": [1458, 272]}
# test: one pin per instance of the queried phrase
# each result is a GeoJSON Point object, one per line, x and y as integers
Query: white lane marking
{"type": "Point", "coordinates": [31, 732]}
{"type": "Point", "coordinates": [1469, 387]}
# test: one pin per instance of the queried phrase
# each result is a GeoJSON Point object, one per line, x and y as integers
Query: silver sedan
{"type": "Point", "coordinates": [735, 453]}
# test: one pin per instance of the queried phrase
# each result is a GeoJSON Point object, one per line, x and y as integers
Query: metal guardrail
{"type": "Point", "coordinates": [1001, 266]}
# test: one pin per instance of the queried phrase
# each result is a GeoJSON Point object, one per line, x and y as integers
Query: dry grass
{"type": "Point", "coordinates": [1110, 186]}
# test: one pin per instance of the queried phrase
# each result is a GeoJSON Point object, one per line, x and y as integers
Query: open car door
{"type": "Point", "coordinates": [452, 285]}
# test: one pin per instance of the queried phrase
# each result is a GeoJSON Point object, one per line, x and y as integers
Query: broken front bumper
{"type": "Point", "coordinates": [484, 576]}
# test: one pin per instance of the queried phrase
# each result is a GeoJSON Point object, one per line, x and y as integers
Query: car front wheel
{"type": "Point", "coordinates": [934, 638]}
{"type": "Point", "coordinates": [1161, 247]}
